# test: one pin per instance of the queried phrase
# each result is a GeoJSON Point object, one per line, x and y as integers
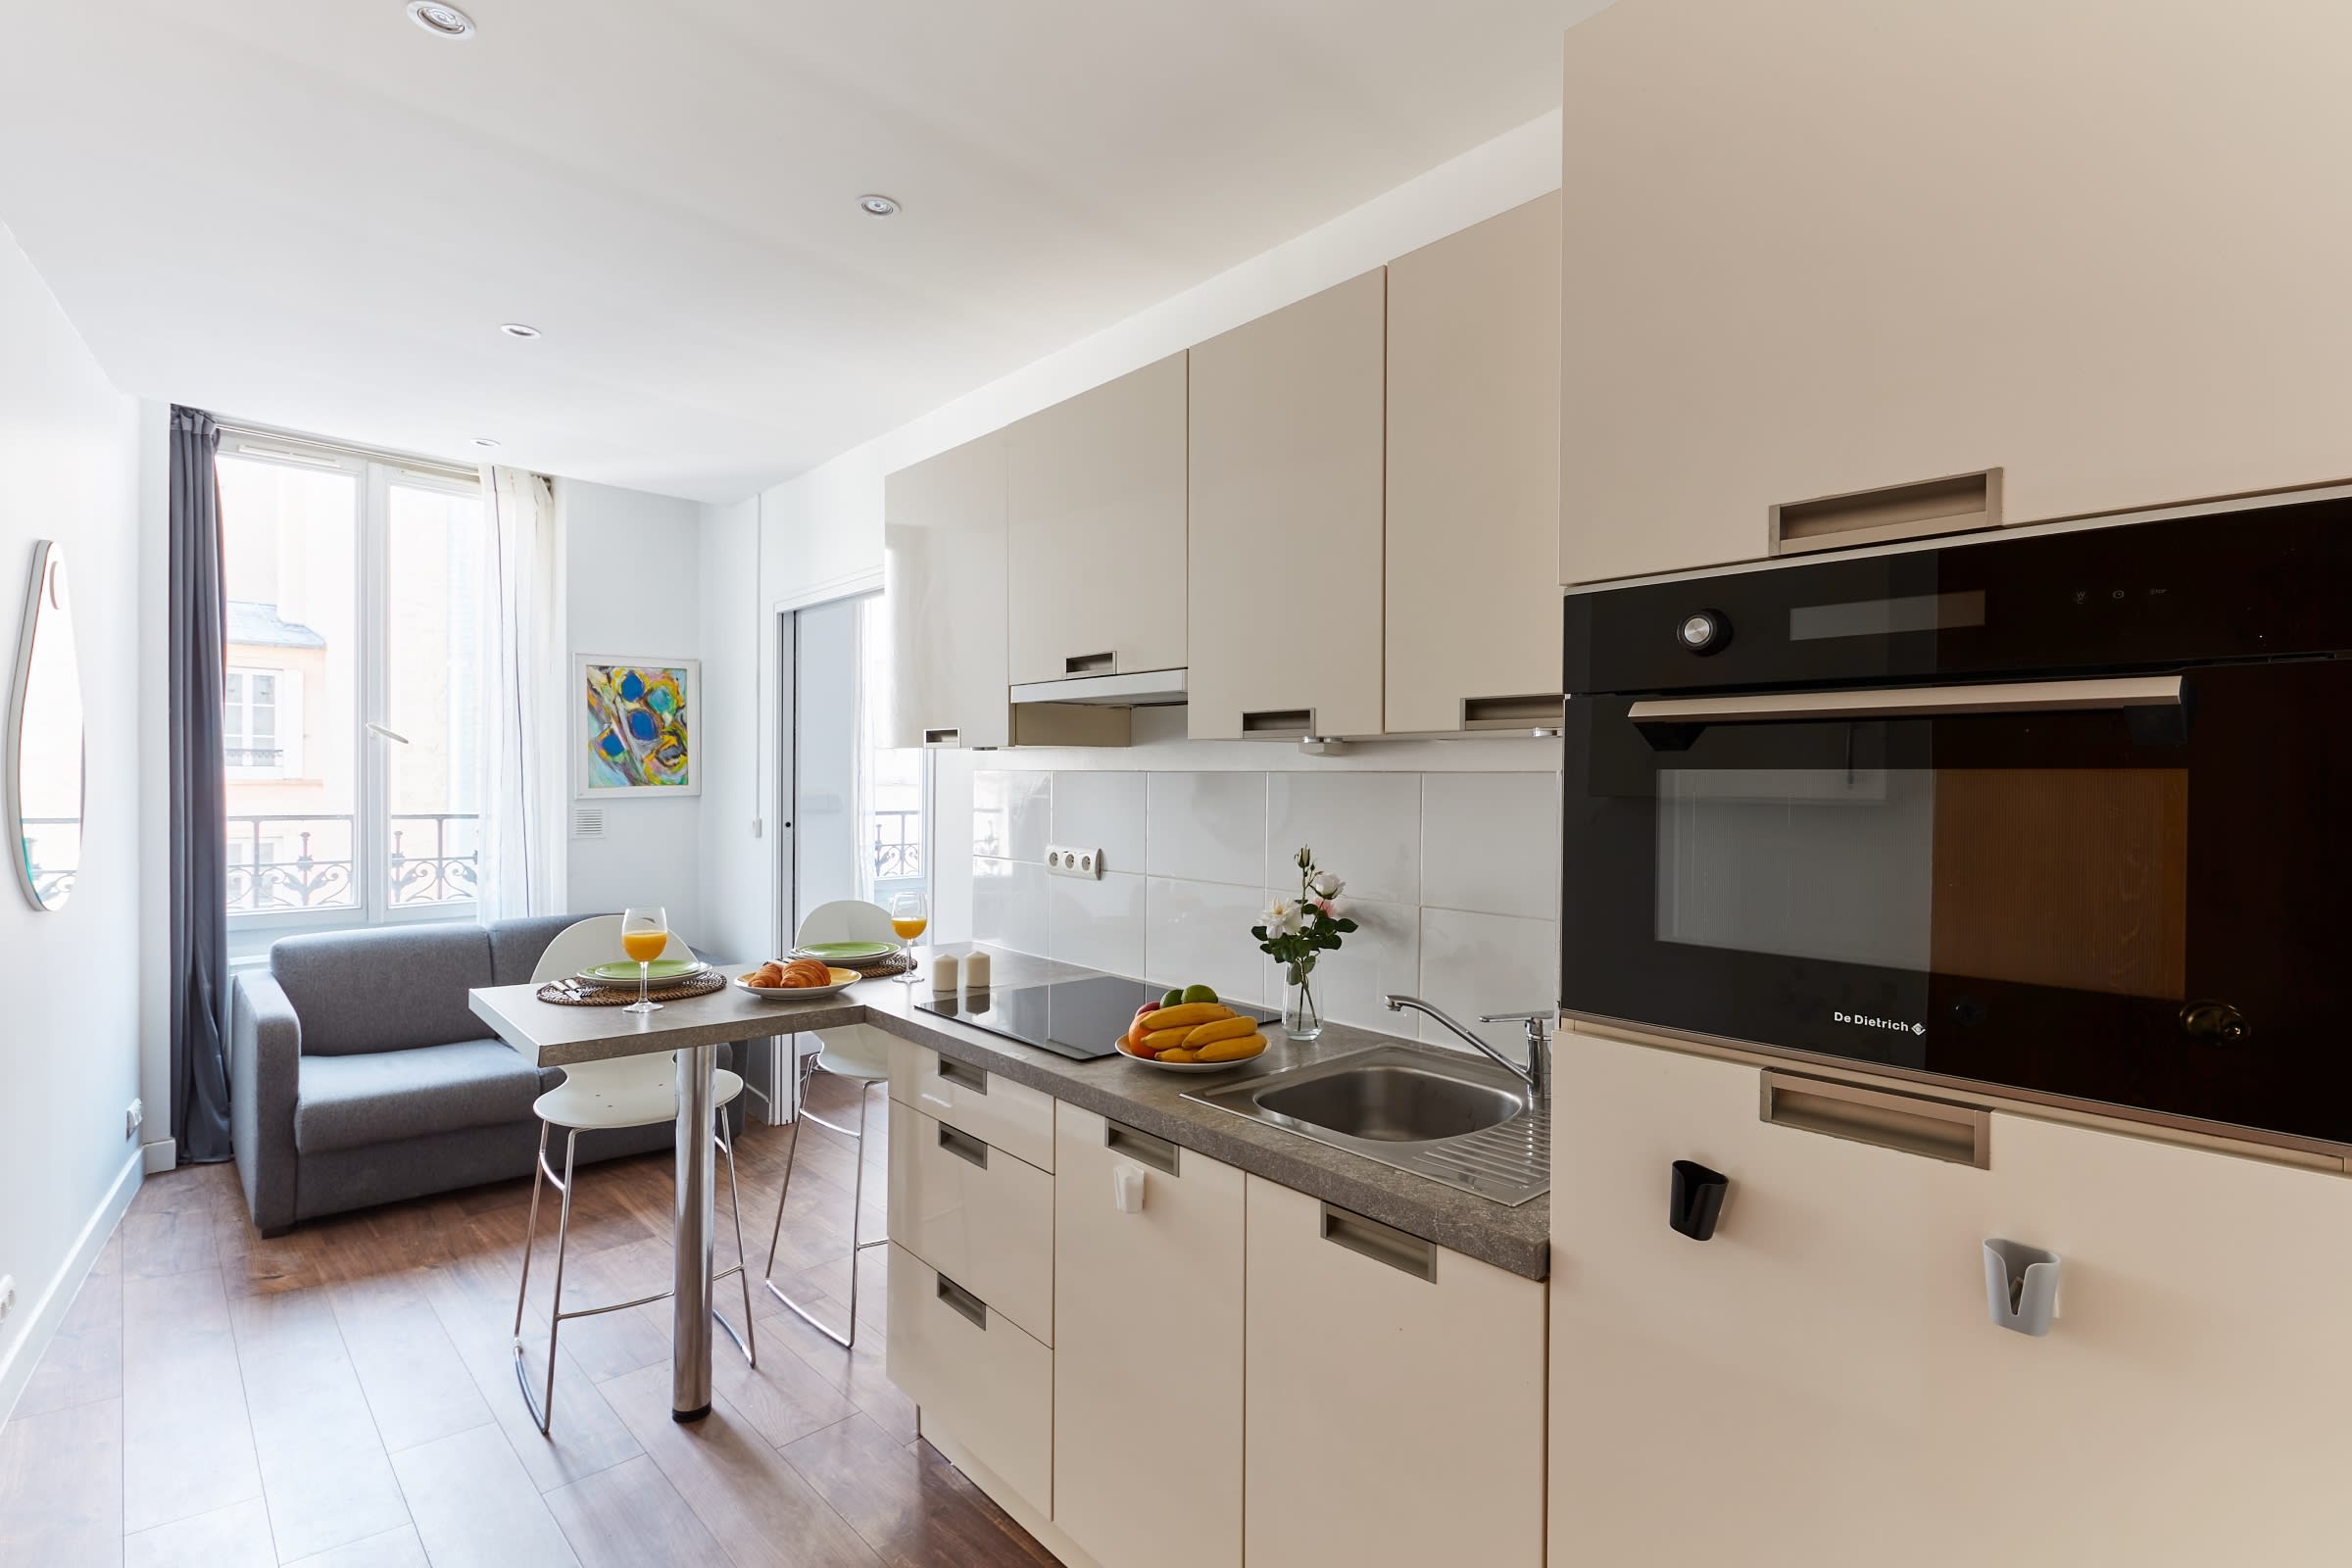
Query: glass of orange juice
{"type": "Point", "coordinates": [644, 933]}
{"type": "Point", "coordinates": [910, 917]}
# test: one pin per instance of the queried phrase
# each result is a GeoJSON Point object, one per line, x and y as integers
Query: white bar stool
{"type": "Point", "coordinates": [596, 1095]}
{"type": "Point", "coordinates": [857, 1054]}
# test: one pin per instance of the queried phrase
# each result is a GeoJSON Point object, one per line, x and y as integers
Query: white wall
{"type": "Point", "coordinates": [70, 1048]}
{"type": "Point", "coordinates": [633, 585]}
{"type": "Point", "coordinates": [821, 532]}
{"type": "Point", "coordinates": [738, 820]}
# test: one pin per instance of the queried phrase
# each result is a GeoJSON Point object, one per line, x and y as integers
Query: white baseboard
{"type": "Point", "coordinates": [161, 1155]}
{"type": "Point", "coordinates": [19, 1359]}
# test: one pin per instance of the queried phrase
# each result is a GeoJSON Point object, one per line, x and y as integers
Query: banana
{"type": "Point", "coordinates": [1239, 1048]}
{"type": "Point", "coordinates": [1186, 1015]}
{"type": "Point", "coordinates": [1163, 1039]}
{"type": "Point", "coordinates": [1232, 1028]}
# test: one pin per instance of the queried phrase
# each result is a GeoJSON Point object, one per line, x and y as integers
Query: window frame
{"type": "Point", "coordinates": [251, 931]}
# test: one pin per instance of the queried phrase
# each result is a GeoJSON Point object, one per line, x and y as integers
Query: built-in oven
{"type": "Point", "coordinates": [2067, 815]}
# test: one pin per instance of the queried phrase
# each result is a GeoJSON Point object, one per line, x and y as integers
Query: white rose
{"type": "Point", "coordinates": [1328, 885]}
{"type": "Point", "coordinates": [1282, 917]}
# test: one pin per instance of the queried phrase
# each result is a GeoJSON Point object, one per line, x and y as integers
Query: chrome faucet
{"type": "Point", "coordinates": [1536, 1074]}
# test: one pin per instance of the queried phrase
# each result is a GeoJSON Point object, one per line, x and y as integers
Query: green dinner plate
{"type": "Point", "coordinates": [844, 952]}
{"type": "Point", "coordinates": [623, 973]}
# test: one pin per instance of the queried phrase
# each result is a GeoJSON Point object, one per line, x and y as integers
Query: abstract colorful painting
{"type": "Point", "coordinates": [638, 726]}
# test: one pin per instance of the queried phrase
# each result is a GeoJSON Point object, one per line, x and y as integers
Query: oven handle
{"type": "Point", "coordinates": [1916, 702]}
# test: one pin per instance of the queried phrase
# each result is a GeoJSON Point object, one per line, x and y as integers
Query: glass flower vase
{"type": "Point", "coordinates": [1301, 1013]}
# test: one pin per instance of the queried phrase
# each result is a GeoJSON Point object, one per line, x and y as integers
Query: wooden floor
{"type": "Point", "coordinates": [344, 1396]}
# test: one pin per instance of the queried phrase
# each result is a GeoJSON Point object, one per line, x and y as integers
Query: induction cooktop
{"type": "Point", "coordinates": [1080, 1018]}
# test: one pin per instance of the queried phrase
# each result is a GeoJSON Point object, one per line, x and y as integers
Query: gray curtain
{"type": "Point", "coordinates": [199, 786]}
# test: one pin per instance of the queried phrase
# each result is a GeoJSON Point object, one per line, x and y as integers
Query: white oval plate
{"type": "Point", "coordinates": [1193, 1066]}
{"type": "Point", "coordinates": [842, 979]}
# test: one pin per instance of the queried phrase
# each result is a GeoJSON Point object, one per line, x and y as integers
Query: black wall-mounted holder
{"type": "Point", "coordinates": [2021, 1287]}
{"type": "Point", "coordinates": [1697, 1203]}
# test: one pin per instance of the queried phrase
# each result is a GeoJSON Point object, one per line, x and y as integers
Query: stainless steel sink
{"type": "Point", "coordinates": [1454, 1119]}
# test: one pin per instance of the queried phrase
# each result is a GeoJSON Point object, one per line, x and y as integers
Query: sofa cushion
{"type": "Point", "coordinates": [360, 1098]}
{"type": "Point", "coordinates": [384, 989]}
{"type": "Point", "coordinates": [516, 946]}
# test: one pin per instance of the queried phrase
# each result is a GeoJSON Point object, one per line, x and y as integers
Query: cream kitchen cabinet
{"type": "Point", "coordinates": [1286, 506]}
{"type": "Point", "coordinates": [1474, 476]}
{"type": "Point", "coordinates": [1148, 1348]}
{"type": "Point", "coordinates": [1828, 246]}
{"type": "Point", "coordinates": [943, 555]}
{"type": "Point", "coordinates": [1094, 499]}
{"type": "Point", "coordinates": [975, 1372]}
{"type": "Point", "coordinates": [1820, 1382]}
{"type": "Point", "coordinates": [1394, 1397]}
{"type": "Point", "coordinates": [976, 1213]}
{"type": "Point", "coordinates": [944, 558]}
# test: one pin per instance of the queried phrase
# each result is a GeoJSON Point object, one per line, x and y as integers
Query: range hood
{"type": "Point", "coordinates": [1142, 688]}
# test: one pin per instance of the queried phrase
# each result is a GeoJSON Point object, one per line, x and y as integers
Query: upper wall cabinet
{"type": "Point", "coordinates": [1285, 561]}
{"type": "Point", "coordinates": [943, 551]}
{"type": "Point", "coordinates": [1474, 476]}
{"type": "Point", "coordinates": [1825, 247]}
{"type": "Point", "coordinates": [1096, 522]}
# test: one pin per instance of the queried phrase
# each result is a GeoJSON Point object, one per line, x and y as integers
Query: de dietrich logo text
{"type": "Point", "coordinates": [1868, 1022]}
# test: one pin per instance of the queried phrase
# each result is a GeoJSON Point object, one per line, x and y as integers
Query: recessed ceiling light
{"type": "Point", "coordinates": [517, 329]}
{"type": "Point", "coordinates": [878, 206]}
{"type": "Point", "coordinates": [484, 441]}
{"type": "Point", "coordinates": [442, 22]}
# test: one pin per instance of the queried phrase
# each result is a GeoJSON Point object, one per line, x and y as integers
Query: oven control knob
{"type": "Point", "coordinates": [2217, 1023]}
{"type": "Point", "coordinates": [1704, 631]}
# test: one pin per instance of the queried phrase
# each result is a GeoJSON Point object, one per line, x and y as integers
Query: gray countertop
{"type": "Point", "coordinates": [1514, 1239]}
{"type": "Point", "coordinates": [1518, 1238]}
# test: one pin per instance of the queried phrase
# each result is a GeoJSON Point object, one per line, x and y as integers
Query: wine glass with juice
{"type": "Point", "coordinates": [644, 933]}
{"type": "Point", "coordinates": [910, 917]}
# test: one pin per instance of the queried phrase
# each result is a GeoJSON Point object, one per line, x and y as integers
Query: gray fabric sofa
{"type": "Point", "coordinates": [359, 1075]}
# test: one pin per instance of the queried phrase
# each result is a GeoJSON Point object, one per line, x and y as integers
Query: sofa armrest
{"type": "Point", "coordinates": [265, 1071]}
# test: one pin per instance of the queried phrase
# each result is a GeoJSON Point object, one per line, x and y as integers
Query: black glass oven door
{"type": "Point", "coordinates": [2126, 890]}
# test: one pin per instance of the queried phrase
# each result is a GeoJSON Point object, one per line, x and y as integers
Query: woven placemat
{"type": "Point", "coordinates": [895, 963]}
{"type": "Point", "coordinates": [563, 993]}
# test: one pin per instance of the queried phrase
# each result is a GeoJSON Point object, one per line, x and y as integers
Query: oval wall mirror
{"type": "Point", "coordinates": [44, 737]}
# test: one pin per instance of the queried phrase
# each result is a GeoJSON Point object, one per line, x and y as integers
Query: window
{"type": "Point", "coordinates": [355, 652]}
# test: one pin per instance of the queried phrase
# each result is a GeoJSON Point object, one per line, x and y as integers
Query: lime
{"type": "Point", "coordinates": [1195, 994]}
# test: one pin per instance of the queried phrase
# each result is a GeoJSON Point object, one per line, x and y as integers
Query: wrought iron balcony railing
{"type": "Point", "coordinates": [431, 861]}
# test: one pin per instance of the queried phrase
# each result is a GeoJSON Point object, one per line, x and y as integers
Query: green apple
{"type": "Point", "coordinates": [1173, 998]}
{"type": "Point", "coordinates": [1196, 993]}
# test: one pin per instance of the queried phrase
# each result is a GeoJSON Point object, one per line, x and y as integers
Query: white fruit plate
{"type": "Point", "coordinates": [842, 980]}
{"type": "Point", "coordinates": [1190, 1066]}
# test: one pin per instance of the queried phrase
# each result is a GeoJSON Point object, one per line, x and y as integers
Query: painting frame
{"type": "Point", "coordinates": [584, 731]}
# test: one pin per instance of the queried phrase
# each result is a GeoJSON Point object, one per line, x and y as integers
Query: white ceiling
{"type": "Point", "coordinates": [311, 212]}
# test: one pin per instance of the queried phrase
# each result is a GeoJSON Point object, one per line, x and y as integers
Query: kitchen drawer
{"type": "Point", "coordinates": [998, 1113]}
{"type": "Point", "coordinates": [976, 1213]}
{"type": "Point", "coordinates": [975, 1373]}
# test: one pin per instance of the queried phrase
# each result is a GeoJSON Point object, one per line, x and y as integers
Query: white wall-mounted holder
{"type": "Point", "coordinates": [2021, 1287]}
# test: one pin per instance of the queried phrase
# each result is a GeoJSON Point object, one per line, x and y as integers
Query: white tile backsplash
{"type": "Point", "coordinates": [1364, 827]}
{"type": "Point", "coordinates": [1011, 814]}
{"type": "Point", "coordinates": [1206, 827]}
{"type": "Point", "coordinates": [1099, 924]}
{"type": "Point", "coordinates": [1490, 842]}
{"type": "Point", "coordinates": [1474, 963]}
{"type": "Point", "coordinates": [1198, 933]}
{"type": "Point", "coordinates": [1009, 904]}
{"type": "Point", "coordinates": [1101, 812]}
{"type": "Point", "coordinates": [1452, 876]}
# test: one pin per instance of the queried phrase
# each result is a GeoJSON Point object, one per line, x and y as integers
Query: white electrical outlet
{"type": "Point", "coordinates": [134, 1116]}
{"type": "Point", "coordinates": [8, 1296]}
{"type": "Point", "coordinates": [1063, 860]}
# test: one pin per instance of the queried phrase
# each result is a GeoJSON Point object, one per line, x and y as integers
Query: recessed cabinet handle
{"type": "Point", "coordinates": [1141, 1146]}
{"type": "Point", "coordinates": [1279, 722]}
{"type": "Point", "coordinates": [962, 1075]}
{"type": "Point", "coordinates": [940, 737]}
{"type": "Point", "coordinates": [963, 1146]}
{"type": "Point", "coordinates": [1091, 665]}
{"type": "Point", "coordinates": [1383, 1244]}
{"type": "Point", "coordinates": [964, 1301]}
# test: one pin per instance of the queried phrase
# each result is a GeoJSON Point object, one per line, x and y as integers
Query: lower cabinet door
{"type": "Point", "coordinates": [1148, 1349]}
{"type": "Point", "coordinates": [1395, 1395]}
{"type": "Point", "coordinates": [975, 1372]}
{"type": "Point", "coordinates": [976, 1214]}
{"type": "Point", "coordinates": [1822, 1384]}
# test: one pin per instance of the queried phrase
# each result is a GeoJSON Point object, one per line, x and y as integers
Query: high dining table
{"type": "Point", "coordinates": [552, 1035]}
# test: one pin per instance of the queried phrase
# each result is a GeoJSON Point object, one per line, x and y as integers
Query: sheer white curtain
{"type": "Point", "coordinates": [524, 783]}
